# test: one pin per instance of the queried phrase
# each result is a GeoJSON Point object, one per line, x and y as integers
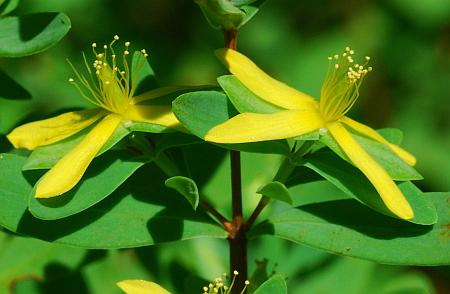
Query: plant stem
{"type": "Point", "coordinates": [166, 164]}
{"type": "Point", "coordinates": [237, 238]}
{"type": "Point", "coordinates": [283, 173]}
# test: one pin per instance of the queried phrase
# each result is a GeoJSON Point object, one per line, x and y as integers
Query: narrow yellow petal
{"type": "Point", "coordinates": [141, 287]}
{"type": "Point", "coordinates": [371, 133]}
{"type": "Point", "coordinates": [154, 114]}
{"type": "Point", "coordinates": [68, 170]}
{"type": "Point", "coordinates": [392, 196]}
{"type": "Point", "coordinates": [262, 84]}
{"type": "Point", "coordinates": [51, 130]}
{"type": "Point", "coordinates": [254, 127]}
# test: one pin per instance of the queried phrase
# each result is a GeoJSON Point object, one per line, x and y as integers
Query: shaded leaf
{"type": "Point", "coordinates": [345, 227]}
{"type": "Point", "coordinates": [141, 212]}
{"type": "Point", "coordinates": [350, 180]}
{"type": "Point", "coordinates": [104, 175]}
{"type": "Point", "coordinates": [32, 33]}
{"type": "Point", "coordinates": [10, 89]}
{"type": "Point", "coordinates": [7, 6]}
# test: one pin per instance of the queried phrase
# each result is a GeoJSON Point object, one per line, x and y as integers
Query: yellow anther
{"type": "Point", "coordinates": [336, 56]}
{"type": "Point", "coordinates": [330, 58]}
{"type": "Point", "coordinates": [71, 80]}
{"type": "Point", "coordinates": [126, 52]}
{"type": "Point", "coordinates": [235, 273]}
{"type": "Point", "coordinates": [205, 289]}
{"type": "Point", "coordinates": [352, 52]}
{"type": "Point", "coordinates": [336, 66]}
{"type": "Point", "coordinates": [94, 45]}
{"type": "Point", "coordinates": [105, 47]}
{"type": "Point", "coordinates": [247, 282]}
{"type": "Point", "coordinates": [116, 37]}
{"type": "Point", "coordinates": [127, 44]}
{"type": "Point", "coordinates": [367, 58]}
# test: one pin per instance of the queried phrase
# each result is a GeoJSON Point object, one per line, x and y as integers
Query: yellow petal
{"type": "Point", "coordinates": [68, 170]}
{"type": "Point", "coordinates": [48, 131]}
{"type": "Point", "coordinates": [154, 114]}
{"type": "Point", "coordinates": [262, 84]}
{"type": "Point", "coordinates": [141, 287]}
{"type": "Point", "coordinates": [371, 133]}
{"type": "Point", "coordinates": [380, 179]}
{"type": "Point", "coordinates": [254, 127]}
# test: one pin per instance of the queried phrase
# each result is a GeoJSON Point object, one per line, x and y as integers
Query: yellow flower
{"type": "Point", "coordinates": [303, 114]}
{"type": "Point", "coordinates": [141, 287]}
{"type": "Point", "coordinates": [110, 86]}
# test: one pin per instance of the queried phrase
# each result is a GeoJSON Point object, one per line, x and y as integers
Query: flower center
{"type": "Point", "coordinates": [341, 86]}
{"type": "Point", "coordinates": [110, 84]}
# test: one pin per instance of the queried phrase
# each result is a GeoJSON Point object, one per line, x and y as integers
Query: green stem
{"type": "Point", "coordinates": [283, 173]}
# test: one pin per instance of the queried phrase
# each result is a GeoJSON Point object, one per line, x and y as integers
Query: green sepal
{"type": "Point", "coordinates": [394, 165]}
{"type": "Point", "coordinates": [345, 227]}
{"type": "Point", "coordinates": [186, 187]}
{"type": "Point", "coordinates": [351, 181]}
{"type": "Point", "coordinates": [30, 34]}
{"type": "Point", "coordinates": [276, 190]}
{"type": "Point", "coordinates": [202, 110]}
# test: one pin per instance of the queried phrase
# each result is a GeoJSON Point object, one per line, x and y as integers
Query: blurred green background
{"type": "Point", "coordinates": [408, 40]}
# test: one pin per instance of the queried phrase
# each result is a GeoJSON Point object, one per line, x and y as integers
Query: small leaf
{"type": "Point", "coordinates": [276, 284]}
{"type": "Point", "coordinates": [276, 190]}
{"type": "Point", "coordinates": [394, 136]}
{"type": "Point", "coordinates": [141, 212]}
{"type": "Point", "coordinates": [11, 89]}
{"type": "Point", "coordinates": [351, 181]}
{"type": "Point", "coordinates": [345, 227]}
{"type": "Point", "coordinates": [202, 110]}
{"type": "Point", "coordinates": [32, 33]}
{"type": "Point", "coordinates": [185, 187]}
{"type": "Point", "coordinates": [103, 177]}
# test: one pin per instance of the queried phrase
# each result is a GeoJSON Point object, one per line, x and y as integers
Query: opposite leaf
{"type": "Point", "coordinates": [185, 187]}
{"type": "Point", "coordinates": [276, 190]}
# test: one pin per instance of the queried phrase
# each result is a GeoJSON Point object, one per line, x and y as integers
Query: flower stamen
{"type": "Point", "coordinates": [340, 89]}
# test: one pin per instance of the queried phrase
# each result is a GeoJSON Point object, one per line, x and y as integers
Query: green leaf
{"type": "Point", "coordinates": [200, 111]}
{"type": "Point", "coordinates": [141, 212]}
{"type": "Point", "coordinates": [276, 190]}
{"type": "Point", "coordinates": [345, 227]}
{"type": "Point", "coordinates": [351, 181]}
{"type": "Point", "coordinates": [394, 165]}
{"type": "Point", "coordinates": [24, 257]}
{"type": "Point", "coordinates": [7, 6]}
{"type": "Point", "coordinates": [103, 177]}
{"type": "Point", "coordinates": [32, 33]}
{"type": "Point", "coordinates": [11, 89]}
{"type": "Point", "coordinates": [185, 187]}
{"type": "Point", "coordinates": [242, 98]}
{"type": "Point", "coordinates": [276, 284]}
